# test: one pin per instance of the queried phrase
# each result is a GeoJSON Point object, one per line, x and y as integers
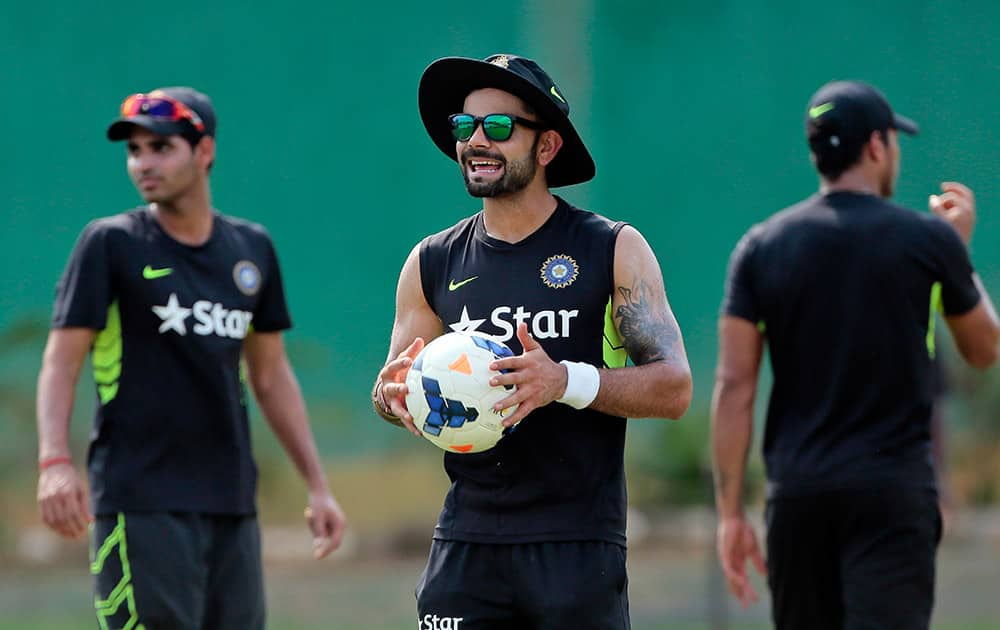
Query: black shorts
{"type": "Point", "coordinates": [177, 571]}
{"type": "Point", "coordinates": [853, 559]}
{"type": "Point", "coordinates": [550, 586]}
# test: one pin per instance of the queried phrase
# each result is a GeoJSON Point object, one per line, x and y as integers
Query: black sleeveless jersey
{"type": "Point", "coordinates": [170, 431]}
{"type": "Point", "coordinates": [559, 475]}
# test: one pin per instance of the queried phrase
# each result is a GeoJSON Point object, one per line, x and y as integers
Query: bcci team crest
{"type": "Point", "coordinates": [501, 60]}
{"type": "Point", "coordinates": [247, 277]}
{"type": "Point", "coordinates": [559, 271]}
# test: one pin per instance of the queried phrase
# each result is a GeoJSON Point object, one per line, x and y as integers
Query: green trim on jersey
{"type": "Point", "coordinates": [123, 591]}
{"type": "Point", "coordinates": [107, 356]}
{"type": "Point", "coordinates": [244, 375]}
{"type": "Point", "coordinates": [244, 370]}
{"type": "Point", "coordinates": [935, 308]}
{"type": "Point", "coordinates": [615, 354]}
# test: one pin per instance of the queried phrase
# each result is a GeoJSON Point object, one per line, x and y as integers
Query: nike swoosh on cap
{"type": "Point", "coordinates": [819, 110]}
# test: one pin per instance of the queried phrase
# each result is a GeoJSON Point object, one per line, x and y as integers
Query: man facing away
{"type": "Point", "coordinates": [844, 288]}
{"type": "Point", "coordinates": [168, 299]}
{"type": "Point", "coordinates": [532, 534]}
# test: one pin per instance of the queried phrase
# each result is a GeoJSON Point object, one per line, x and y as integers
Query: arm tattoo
{"type": "Point", "coordinates": [647, 334]}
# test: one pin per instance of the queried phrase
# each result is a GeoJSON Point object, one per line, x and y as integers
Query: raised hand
{"type": "Point", "coordinates": [957, 206]}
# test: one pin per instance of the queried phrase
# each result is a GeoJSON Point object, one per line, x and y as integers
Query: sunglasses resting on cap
{"type": "Point", "coordinates": [160, 106]}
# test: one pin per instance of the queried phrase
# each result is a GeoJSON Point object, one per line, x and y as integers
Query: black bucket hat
{"type": "Point", "coordinates": [447, 81]}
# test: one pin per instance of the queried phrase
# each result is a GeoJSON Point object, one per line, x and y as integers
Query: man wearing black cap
{"type": "Point", "coordinates": [532, 534]}
{"type": "Point", "coordinates": [844, 287]}
{"type": "Point", "coordinates": [168, 299]}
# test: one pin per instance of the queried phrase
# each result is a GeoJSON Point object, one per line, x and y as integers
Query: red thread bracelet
{"type": "Point", "coordinates": [54, 461]}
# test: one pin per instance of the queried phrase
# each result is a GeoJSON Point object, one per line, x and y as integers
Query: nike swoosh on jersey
{"type": "Point", "coordinates": [152, 274]}
{"type": "Point", "coordinates": [454, 285]}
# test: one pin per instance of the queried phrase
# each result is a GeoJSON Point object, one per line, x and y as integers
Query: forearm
{"type": "Point", "coordinates": [988, 304]}
{"type": "Point", "coordinates": [654, 390]}
{"type": "Point", "coordinates": [54, 408]}
{"type": "Point", "coordinates": [732, 430]}
{"type": "Point", "coordinates": [284, 408]}
{"type": "Point", "coordinates": [977, 331]}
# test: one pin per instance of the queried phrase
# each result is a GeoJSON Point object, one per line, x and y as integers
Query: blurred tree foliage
{"type": "Point", "coordinates": [973, 420]}
{"type": "Point", "coordinates": [670, 463]}
{"type": "Point", "coordinates": [21, 343]}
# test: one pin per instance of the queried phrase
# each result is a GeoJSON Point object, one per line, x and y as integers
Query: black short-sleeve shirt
{"type": "Point", "coordinates": [170, 431]}
{"type": "Point", "coordinates": [845, 287]}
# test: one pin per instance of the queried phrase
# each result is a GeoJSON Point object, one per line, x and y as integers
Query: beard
{"type": "Point", "coordinates": [887, 185]}
{"type": "Point", "coordinates": [516, 176]}
{"type": "Point", "coordinates": [888, 188]}
{"type": "Point", "coordinates": [171, 185]}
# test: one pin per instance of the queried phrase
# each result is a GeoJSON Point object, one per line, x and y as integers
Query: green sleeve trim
{"type": "Point", "coordinates": [615, 355]}
{"type": "Point", "coordinates": [936, 306]}
{"type": "Point", "coordinates": [107, 356]}
{"type": "Point", "coordinates": [107, 375]}
{"type": "Point", "coordinates": [107, 392]}
{"type": "Point", "coordinates": [244, 375]}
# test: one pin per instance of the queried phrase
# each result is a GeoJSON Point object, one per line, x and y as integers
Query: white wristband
{"type": "Point", "coordinates": [582, 383]}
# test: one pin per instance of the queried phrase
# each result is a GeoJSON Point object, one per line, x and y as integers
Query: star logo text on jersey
{"type": "Point", "coordinates": [454, 285]}
{"type": "Point", "coordinates": [247, 277]}
{"type": "Point", "coordinates": [545, 324]}
{"type": "Point", "coordinates": [173, 315]}
{"type": "Point", "coordinates": [211, 318]}
{"type": "Point", "coordinates": [559, 271]}
{"type": "Point", "coordinates": [433, 622]}
{"type": "Point", "coordinates": [152, 274]}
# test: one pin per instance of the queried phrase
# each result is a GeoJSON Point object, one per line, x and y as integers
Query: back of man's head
{"type": "Point", "coordinates": [840, 119]}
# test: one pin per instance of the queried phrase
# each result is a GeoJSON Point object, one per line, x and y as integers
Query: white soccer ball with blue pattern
{"type": "Point", "coordinates": [450, 397]}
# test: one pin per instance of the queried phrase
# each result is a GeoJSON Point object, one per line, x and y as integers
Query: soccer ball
{"type": "Point", "coordinates": [450, 397]}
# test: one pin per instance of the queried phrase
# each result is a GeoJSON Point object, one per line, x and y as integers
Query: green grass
{"type": "Point", "coordinates": [668, 590]}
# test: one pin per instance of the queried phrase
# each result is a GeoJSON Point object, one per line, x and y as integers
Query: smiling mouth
{"type": "Point", "coordinates": [479, 166]}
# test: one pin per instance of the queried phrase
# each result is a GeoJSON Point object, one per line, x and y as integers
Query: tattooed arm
{"type": "Point", "coordinates": [659, 384]}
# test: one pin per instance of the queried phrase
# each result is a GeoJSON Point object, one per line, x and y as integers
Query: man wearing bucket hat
{"type": "Point", "coordinates": [532, 533]}
{"type": "Point", "coordinates": [169, 298]}
{"type": "Point", "coordinates": [844, 288]}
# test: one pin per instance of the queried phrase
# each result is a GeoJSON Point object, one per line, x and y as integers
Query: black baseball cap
{"type": "Point", "coordinates": [200, 104]}
{"type": "Point", "coordinates": [842, 115]}
{"type": "Point", "coordinates": [446, 82]}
